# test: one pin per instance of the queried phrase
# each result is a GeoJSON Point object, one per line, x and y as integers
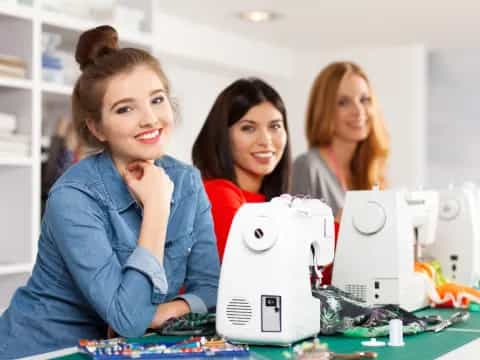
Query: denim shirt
{"type": "Point", "coordinates": [90, 272]}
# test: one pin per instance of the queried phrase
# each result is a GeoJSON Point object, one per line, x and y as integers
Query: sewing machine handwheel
{"type": "Point", "coordinates": [261, 235]}
{"type": "Point", "coordinates": [449, 209]}
{"type": "Point", "coordinates": [369, 219]}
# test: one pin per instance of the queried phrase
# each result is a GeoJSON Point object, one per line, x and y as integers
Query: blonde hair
{"type": "Point", "coordinates": [368, 165]}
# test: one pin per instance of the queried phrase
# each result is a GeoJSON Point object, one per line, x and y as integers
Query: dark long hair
{"type": "Point", "coordinates": [212, 152]}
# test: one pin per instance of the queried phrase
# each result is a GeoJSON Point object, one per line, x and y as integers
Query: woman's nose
{"type": "Point", "coordinates": [358, 108]}
{"type": "Point", "coordinates": [264, 138]}
{"type": "Point", "coordinates": [148, 117]}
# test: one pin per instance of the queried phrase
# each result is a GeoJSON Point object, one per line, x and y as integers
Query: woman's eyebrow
{"type": "Point", "coordinates": [125, 100]}
{"type": "Point", "coordinates": [248, 121]}
{"type": "Point", "coordinates": [156, 91]}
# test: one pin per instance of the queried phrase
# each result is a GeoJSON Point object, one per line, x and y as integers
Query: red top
{"type": "Point", "coordinates": [327, 272]}
{"type": "Point", "coordinates": [226, 198]}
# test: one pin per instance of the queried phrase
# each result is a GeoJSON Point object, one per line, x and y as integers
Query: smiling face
{"type": "Point", "coordinates": [137, 117]}
{"type": "Point", "coordinates": [352, 109]}
{"type": "Point", "coordinates": [258, 141]}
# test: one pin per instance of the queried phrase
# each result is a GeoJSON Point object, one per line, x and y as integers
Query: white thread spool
{"type": "Point", "coordinates": [373, 342]}
{"type": "Point", "coordinates": [395, 327]}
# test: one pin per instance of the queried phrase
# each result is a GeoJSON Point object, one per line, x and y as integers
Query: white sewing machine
{"type": "Point", "coordinates": [264, 294]}
{"type": "Point", "coordinates": [457, 242]}
{"type": "Point", "coordinates": [376, 247]}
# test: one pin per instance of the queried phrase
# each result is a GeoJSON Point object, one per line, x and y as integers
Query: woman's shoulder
{"type": "Point", "coordinates": [81, 183]}
{"type": "Point", "coordinates": [309, 159]}
{"type": "Point", "coordinates": [81, 174]}
{"type": "Point", "coordinates": [221, 185]}
{"type": "Point", "coordinates": [223, 190]}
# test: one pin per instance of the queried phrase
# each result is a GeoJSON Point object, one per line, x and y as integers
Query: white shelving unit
{"type": "Point", "coordinates": [6, 82]}
{"type": "Point", "coordinates": [37, 105]}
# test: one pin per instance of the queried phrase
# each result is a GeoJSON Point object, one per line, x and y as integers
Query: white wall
{"type": "Point", "coordinates": [453, 117]}
{"type": "Point", "coordinates": [398, 76]}
{"type": "Point", "coordinates": [194, 91]}
{"type": "Point", "coordinates": [195, 86]}
{"type": "Point", "coordinates": [203, 44]}
{"type": "Point", "coordinates": [201, 61]}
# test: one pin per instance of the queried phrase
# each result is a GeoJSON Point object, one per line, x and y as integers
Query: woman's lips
{"type": "Point", "coordinates": [149, 137]}
{"type": "Point", "coordinates": [263, 157]}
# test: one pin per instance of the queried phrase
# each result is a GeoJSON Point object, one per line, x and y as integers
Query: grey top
{"type": "Point", "coordinates": [312, 176]}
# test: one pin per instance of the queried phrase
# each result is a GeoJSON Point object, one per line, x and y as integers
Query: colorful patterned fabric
{"type": "Point", "coordinates": [190, 324]}
{"type": "Point", "coordinates": [343, 313]}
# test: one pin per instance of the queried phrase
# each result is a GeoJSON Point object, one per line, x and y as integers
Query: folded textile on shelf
{"type": "Point", "coordinates": [12, 66]}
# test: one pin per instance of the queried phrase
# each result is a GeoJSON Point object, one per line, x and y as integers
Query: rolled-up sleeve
{"type": "Point", "coordinates": [196, 303]}
{"type": "Point", "coordinates": [203, 268]}
{"type": "Point", "coordinates": [144, 261]}
{"type": "Point", "coordinates": [121, 295]}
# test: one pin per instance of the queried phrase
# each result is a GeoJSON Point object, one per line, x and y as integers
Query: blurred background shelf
{"type": "Point", "coordinates": [11, 160]}
{"type": "Point", "coordinates": [16, 10]}
{"type": "Point", "coordinates": [39, 38]}
{"type": "Point", "coordinates": [57, 89]}
{"type": "Point", "coordinates": [15, 269]}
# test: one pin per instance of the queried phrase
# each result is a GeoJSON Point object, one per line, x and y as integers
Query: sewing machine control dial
{"type": "Point", "coordinates": [449, 209]}
{"type": "Point", "coordinates": [370, 218]}
{"type": "Point", "coordinates": [262, 234]}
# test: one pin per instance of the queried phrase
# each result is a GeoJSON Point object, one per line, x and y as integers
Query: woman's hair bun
{"type": "Point", "coordinates": [95, 43]}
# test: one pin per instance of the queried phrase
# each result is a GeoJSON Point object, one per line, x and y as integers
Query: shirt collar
{"type": "Point", "coordinates": [115, 186]}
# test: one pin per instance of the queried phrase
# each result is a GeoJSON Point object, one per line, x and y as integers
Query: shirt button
{"type": "Point", "coordinates": [189, 249]}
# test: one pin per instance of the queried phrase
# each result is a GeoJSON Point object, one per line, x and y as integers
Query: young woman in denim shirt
{"type": "Point", "coordinates": [124, 229]}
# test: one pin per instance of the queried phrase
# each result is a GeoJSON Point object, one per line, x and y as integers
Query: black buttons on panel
{"type": "Point", "coordinates": [376, 285]}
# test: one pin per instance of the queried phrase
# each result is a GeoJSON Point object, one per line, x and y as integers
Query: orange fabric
{"type": "Point", "coordinates": [458, 291]}
{"type": "Point", "coordinates": [226, 198]}
{"type": "Point", "coordinates": [425, 268]}
{"type": "Point", "coordinates": [443, 293]}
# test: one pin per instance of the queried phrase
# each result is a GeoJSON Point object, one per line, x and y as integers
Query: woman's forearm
{"type": "Point", "coordinates": [154, 230]}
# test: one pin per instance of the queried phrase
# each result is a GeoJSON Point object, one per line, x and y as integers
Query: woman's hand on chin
{"type": "Point", "coordinates": [150, 185]}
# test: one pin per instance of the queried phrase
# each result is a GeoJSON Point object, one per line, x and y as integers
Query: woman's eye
{"type": "Point", "coordinates": [247, 128]}
{"type": "Point", "coordinates": [123, 110]}
{"type": "Point", "coordinates": [158, 100]}
{"type": "Point", "coordinates": [366, 100]}
{"type": "Point", "coordinates": [343, 102]}
{"type": "Point", "coordinates": [277, 126]}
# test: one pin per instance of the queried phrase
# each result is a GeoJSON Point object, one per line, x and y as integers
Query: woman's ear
{"type": "Point", "coordinates": [95, 130]}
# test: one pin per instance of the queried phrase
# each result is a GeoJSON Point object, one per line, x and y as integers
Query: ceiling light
{"type": "Point", "coordinates": [258, 16]}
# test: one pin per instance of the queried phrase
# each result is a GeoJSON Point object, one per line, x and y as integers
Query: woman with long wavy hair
{"type": "Point", "coordinates": [347, 139]}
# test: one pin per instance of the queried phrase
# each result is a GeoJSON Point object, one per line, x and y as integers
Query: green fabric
{"type": "Point", "coordinates": [423, 346]}
{"type": "Point", "coordinates": [190, 324]}
{"type": "Point", "coordinates": [439, 277]}
{"type": "Point", "coordinates": [359, 331]}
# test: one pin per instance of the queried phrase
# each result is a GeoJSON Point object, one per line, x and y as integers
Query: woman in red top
{"type": "Point", "coordinates": [243, 151]}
